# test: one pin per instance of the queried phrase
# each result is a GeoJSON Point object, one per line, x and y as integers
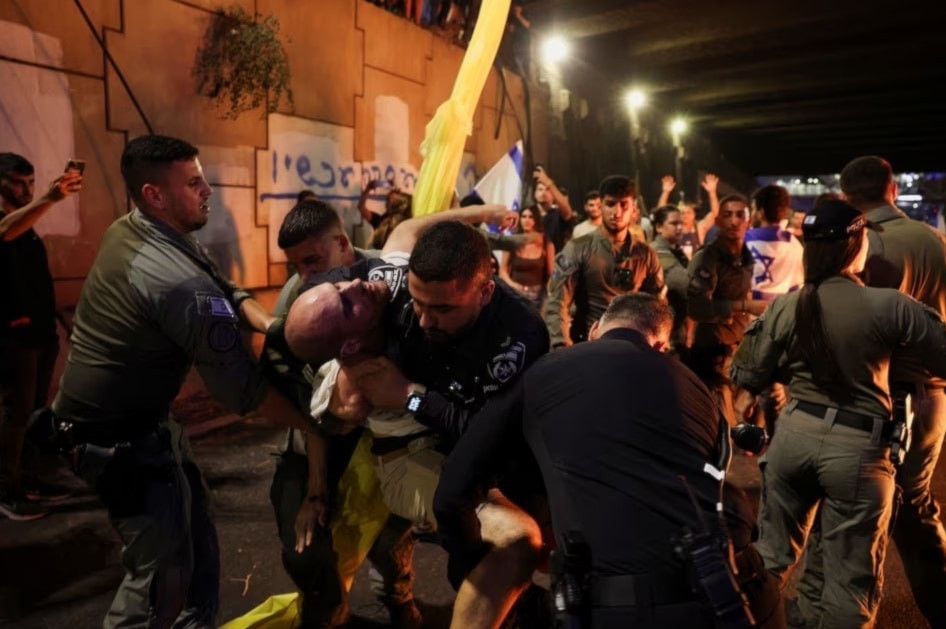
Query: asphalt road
{"type": "Point", "coordinates": [62, 571]}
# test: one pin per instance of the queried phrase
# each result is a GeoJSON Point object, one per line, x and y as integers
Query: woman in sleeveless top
{"type": "Point", "coordinates": [528, 268]}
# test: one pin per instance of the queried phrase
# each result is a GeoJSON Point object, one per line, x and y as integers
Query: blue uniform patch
{"type": "Point", "coordinates": [564, 266]}
{"type": "Point", "coordinates": [220, 307]}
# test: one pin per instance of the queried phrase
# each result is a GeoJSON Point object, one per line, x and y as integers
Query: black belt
{"type": "Point", "coordinates": [845, 418]}
{"type": "Point", "coordinates": [384, 445]}
{"type": "Point", "coordinates": [637, 590]}
{"type": "Point", "coordinates": [107, 435]}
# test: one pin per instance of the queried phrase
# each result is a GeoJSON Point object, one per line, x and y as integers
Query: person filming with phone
{"type": "Point", "coordinates": [28, 340]}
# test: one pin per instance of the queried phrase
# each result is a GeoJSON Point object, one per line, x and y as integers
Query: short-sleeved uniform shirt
{"type": "Point", "coordinates": [152, 306]}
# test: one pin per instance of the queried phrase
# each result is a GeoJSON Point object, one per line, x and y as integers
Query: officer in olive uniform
{"type": "Point", "coordinates": [717, 299]}
{"type": "Point", "coordinates": [908, 255]}
{"type": "Point", "coordinates": [833, 445]}
{"type": "Point", "coordinates": [592, 270]}
{"type": "Point", "coordinates": [152, 306]}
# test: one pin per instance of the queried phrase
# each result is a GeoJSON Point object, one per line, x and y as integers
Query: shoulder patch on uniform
{"type": "Point", "coordinates": [564, 265]}
{"type": "Point", "coordinates": [220, 307]}
{"type": "Point", "coordinates": [215, 306]}
{"type": "Point", "coordinates": [392, 275]}
{"type": "Point", "coordinates": [506, 364]}
{"type": "Point", "coordinates": [222, 337]}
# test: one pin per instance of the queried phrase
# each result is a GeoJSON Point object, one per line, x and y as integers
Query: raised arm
{"type": "Point", "coordinates": [407, 232]}
{"type": "Point", "coordinates": [557, 197]}
{"type": "Point", "coordinates": [709, 183]}
{"type": "Point", "coordinates": [18, 222]}
{"type": "Point", "coordinates": [667, 184]}
{"type": "Point", "coordinates": [366, 214]}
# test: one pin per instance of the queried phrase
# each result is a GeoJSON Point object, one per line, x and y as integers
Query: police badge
{"type": "Point", "coordinates": [392, 275]}
{"type": "Point", "coordinates": [505, 365]}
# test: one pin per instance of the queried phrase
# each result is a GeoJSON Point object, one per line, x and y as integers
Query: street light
{"type": "Point", "coordinates": [554, 49]}
{"type": "Point", "coordinates": [635, 99]}
{"type": "Point", "coordinates": [678, 126]}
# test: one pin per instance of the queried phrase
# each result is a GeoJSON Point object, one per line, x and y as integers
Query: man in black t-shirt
{"type": "Point", "coordinates": [28, 340]}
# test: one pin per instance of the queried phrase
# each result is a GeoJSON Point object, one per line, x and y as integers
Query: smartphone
{"type": "Point", "coordinates": [76, 164]}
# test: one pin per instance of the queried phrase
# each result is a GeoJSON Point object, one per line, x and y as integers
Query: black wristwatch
{"type": "Point", "coordinates": [416, 398]}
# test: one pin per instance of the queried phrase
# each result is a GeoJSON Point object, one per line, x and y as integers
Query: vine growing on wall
{"type": "Point", "coordinates": [241, 63]}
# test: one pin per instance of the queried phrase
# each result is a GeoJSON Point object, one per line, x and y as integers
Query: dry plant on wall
{"type": "Point", "coordinates": [241, 62]}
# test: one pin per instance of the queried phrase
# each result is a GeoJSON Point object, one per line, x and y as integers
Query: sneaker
{"type": "Point", "coordinates": [18, 509]}
{"type": "Point", "coordinates": [40, 491]}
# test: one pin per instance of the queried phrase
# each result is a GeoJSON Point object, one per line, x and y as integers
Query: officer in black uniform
{"type": "Point", "coordinates": [629, 431]}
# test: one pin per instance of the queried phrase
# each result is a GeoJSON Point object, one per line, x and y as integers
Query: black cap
{"type": "Point", "coordinates": [833, 220]}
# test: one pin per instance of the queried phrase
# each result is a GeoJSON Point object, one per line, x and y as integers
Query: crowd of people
{"type": "Point", "coordinates": [572, 408]}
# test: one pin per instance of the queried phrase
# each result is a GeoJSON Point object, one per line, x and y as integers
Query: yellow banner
{"type": "Point", "coordinates": [442, 148]}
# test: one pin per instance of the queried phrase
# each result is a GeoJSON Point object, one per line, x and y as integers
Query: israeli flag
{"type": "Point", "coordinates": [502, 184]}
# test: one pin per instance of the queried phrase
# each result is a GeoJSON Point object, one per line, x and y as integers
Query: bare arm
{"type": "Point", "coordinates": [255, 315]}
{"type": "Point", "coordinates": [709, 183]}
{"type": "Point", "coordinates": [504, 269]}
{"type": "Point", "coordinates": [407, 232]}
{"type": "Point", "coordinates": [313, 512]}
{"type": "Point", "coordinates": [363, 201]}
{"type": "Point", "coordinates": [549, 259]}
{"type": "Point", "coordinates": [18, 222]}
{"type": "Point", "coordinates": [667, 184]}
{"type": "Point", "coordinates": [560, 199]}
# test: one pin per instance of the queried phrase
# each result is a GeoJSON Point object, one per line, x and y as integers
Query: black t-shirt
{"type": "Point", "coordinates": [28, 302]}
{"type": "Point", "coordinates": [556, 228]}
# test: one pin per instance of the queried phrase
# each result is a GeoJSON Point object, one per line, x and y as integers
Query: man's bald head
{"type": "Point", "coordinates": [314, 325]}
{"type": "Point", "coordinates": [335, 320]}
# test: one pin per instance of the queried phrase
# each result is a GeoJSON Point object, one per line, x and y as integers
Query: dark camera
{"type": "Point", "coordinates": [750, 438]}
{"type": "Point", "coordinates": [622, 278]}
{"type": "Point", "coordinates": [76, 164]}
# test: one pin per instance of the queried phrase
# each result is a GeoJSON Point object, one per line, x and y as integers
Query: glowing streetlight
{"type": "Point", "coordinates": [635, 99]}
{"type": "Point", "coordinates": [678, 127]}
{"type": "Point", "coordinates": [554, 49]}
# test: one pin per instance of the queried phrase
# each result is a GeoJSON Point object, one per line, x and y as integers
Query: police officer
{"type": "Point", "coordinates": [590, 271]}
{"type": "Point", "coordinates": [718, 299]}
{"type": "Point", "coordinates": [152, 306]}
{"type": "Point", "coordinates": [833, 444]}
{"type": "Point", "coordinates": [908, 255]}
{"type": "Point", "coordinates": [622, 478]}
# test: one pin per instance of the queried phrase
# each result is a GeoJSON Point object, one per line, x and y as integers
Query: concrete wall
{"type": "Point", "coordinates": [352, 65]}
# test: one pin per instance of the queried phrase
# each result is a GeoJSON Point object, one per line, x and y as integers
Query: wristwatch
{"type": "Point", "coordinates": [416, 398]}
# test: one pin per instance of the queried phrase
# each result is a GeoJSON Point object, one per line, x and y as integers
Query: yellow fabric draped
{"type": "Point", "coordinates": [442, 148]}
{"type": "Point", "coordinates": [356, 524]}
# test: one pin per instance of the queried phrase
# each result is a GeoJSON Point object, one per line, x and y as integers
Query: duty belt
{"type": "Point", "coordinates": [845, 418]}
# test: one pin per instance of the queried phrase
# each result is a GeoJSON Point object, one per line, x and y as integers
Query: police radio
{"type": "Point", "coordinates": [708, 554]}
